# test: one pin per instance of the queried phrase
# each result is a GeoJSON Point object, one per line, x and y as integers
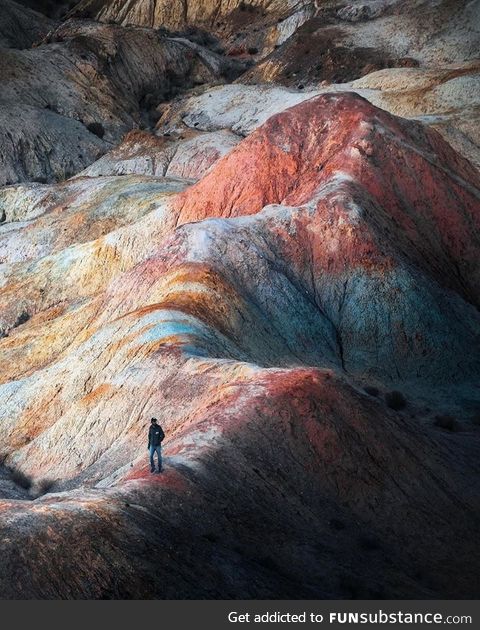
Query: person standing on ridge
{"type": "Point", "coordinates": [155, 438]}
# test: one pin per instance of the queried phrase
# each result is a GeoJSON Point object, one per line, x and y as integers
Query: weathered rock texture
{"type": "Point", "coordinates": [19, 27]}
{"type": "Point", "coordinates": [447, 99]}
{"type": "Point", "coordinates": [315, 40]}
{"type": "Point", "coordinates": [84, 88]}
{"type": "Point", "coordinates": [335, 247]}
{"type": "Point", "coordinates": [241, 26]}
{"type": "Point", "coordinates": [341, 44]}
{"type": "Point", "coordinates": [187, 155]}
{"type": "Point", "coordinates": [288, 279]}
{"type": "Point", "coordinates": [88, 84]}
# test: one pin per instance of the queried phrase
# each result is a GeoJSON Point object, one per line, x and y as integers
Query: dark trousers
{"type": "Point", "coordinates": [158, 451]}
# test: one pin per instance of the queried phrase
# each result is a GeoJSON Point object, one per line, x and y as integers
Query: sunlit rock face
{"type": "Point", "coordinates": [445, 98]}
{"type": "Point", "coordinates": [342, 43]}
{"type": "Point", "coordinates": [305, 39]}
{"type": "Point", "coordinates": [188, 155]}
{"type": "Point", "coordinates": [244, 28]}
{"type": "Point", "coordinates": [335, 248]}
{"type": "Point", "coordinates": [177, 13]}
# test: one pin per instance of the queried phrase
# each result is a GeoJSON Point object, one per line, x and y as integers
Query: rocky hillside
{"type": "Point", "coordinates": [19, 27]}
{"type": "Point", "coordinates": [285, 274]}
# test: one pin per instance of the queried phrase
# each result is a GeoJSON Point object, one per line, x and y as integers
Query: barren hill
{"type": "Point", "coordinates": [288, 279]}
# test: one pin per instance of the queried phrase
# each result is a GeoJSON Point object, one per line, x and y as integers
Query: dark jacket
{"type": "Point", "coordinates": [155, 435]}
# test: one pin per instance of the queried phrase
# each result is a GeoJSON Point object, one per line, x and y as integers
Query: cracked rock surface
{"type": "Point", "coordinates": [288, 279]}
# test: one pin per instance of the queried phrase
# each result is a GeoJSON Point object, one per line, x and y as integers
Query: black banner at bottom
{"type": "Point", "coordinates": [240, 615]}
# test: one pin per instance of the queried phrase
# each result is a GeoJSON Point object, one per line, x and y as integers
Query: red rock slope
{"type": "Point", "coordinates": [336, 247]}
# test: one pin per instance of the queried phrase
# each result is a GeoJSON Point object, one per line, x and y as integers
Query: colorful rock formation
{"type": "Point", "coordinates": [243, 27]}
{"type": "Point", "coordinates": [83, 89]}
{"type": "Point", "coordinates": [289, 281]}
